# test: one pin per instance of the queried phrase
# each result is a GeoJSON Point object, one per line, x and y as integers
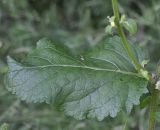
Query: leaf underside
{"type": "Point", "coordinates": [95, 85]}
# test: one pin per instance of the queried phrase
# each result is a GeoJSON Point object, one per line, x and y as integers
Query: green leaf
{"type": "Point", "coordinates": [144, 101]}
{"type": "Point", "coordinates": [109, 29]}
{"type": "Point", "coordinates": [130, 25]}
{"type": "Point", "coordinates": [95, 85]}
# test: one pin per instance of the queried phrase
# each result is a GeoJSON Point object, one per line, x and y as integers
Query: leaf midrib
{"type": "Point", "coordinates": [81, 67]}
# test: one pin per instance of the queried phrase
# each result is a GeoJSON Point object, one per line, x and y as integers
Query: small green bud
{"type": "Point", "coordinates": [112, 21]}
{"type": "Point", "coordinates": [113, 24]}
{"type": "Point", "coordinates": [109, 28]}
{"type": "Point", "coordinates": [145, 74]}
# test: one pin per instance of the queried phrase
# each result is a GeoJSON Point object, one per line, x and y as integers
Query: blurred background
{"type": "Point", "coordinates": [80, 25]}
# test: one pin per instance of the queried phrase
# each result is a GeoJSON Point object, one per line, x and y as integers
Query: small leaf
{"type": "Point", "coordinates": [145, 74]}
{"type": "Point", "coordinates": [101, 84]}
{"type": "Point", "coordinates": [109, 29]}
{"type": "Point", "coordinates": [130, 25]}
{"type": "Point", "coordinates": [112, 21]}
{"type": "Point", "coordinates": [144, 101]}
{"type": "Point", "coordinates": [144, 62]}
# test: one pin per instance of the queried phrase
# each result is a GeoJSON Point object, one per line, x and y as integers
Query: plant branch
{"type": "Point", "coordinates": [123, 37]}
{"type": "Point", "coordinates": [153, 109]}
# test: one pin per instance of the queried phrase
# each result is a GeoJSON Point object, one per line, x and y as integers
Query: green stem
{"type": "Point", "coordinates": [153, 109]}
{"type": "Point", "coordinates": [123, 37]}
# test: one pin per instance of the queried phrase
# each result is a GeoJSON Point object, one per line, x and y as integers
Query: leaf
{"type": "Point", "coordinates": [109, 29]}
{"type": "Point", "coordinates": [130, 25]}
{"type": "Point", "coordinates": [144, 100]}
{"type": "Point", "coordinates": [95, 85]}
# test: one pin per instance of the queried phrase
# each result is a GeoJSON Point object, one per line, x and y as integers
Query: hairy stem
{"type": "Point", "coordinates": [123, 37]}
{"type": "Point", "coordinates": [153, 109]}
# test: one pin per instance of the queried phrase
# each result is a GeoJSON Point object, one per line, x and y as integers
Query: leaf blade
{"type": "Point", "coordinates": [82, 88]}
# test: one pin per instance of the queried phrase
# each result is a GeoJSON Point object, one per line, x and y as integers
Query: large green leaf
{"type": "Point", "coordinates": [95, 85]}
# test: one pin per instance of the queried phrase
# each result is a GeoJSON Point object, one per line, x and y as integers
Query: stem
{"type": "Point", "coordinates": [123, 37]}
{"type": "Point", "coordinates": [153, 109]}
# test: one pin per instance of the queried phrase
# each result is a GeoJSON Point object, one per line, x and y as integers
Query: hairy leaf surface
{"type": "Point", "coordinates": [95, 85]}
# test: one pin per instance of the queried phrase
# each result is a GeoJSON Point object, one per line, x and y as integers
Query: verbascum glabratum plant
{"type": "Point", "coordinates": [100, 83]}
